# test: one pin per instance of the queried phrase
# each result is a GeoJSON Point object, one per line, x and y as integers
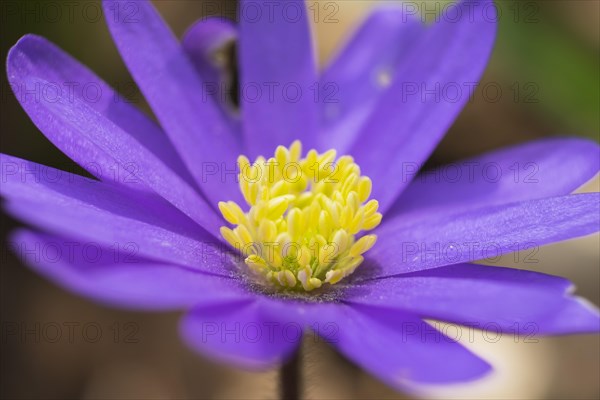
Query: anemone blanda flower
{"type": "Point", "coordinates": [158, 189]}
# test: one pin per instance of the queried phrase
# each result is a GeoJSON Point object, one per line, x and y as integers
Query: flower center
{"type": "Point", "coordinates": [304, 216]}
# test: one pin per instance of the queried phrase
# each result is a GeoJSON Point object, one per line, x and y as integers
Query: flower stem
{"type": "Point", "coordinates": [290, 378]}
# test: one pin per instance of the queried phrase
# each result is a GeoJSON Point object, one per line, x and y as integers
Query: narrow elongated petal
{"type": "Point", "coordinates": [353, 82]}
{"type": "Point", "coordinates": [205, 43]}
{"type": "Point", "coordinates": [70, 205]}
{"type": "Point", "coordinates": [202, 40]}
{"type": "Point", "coordinates": [116, 275]}
{"type": "Point", "coordinates": [251, 332]}
{"type": "Point", "coordinates": [412, 242]}
{"type": "Point", "coordinates": [493, 298]}
{"type": "Point", "coordinates": [544, 168]}
{"type": "Point", "coordinates": [416, 111]}
{"type": "Point", "coordinates": [277, 75]}
{"type": "Point", "coordinates": [41, 74]}
{"type": "Point", "coordinates": [92, 138]}
{"type": "Point", "coordinates": [399, 348]}
{"type": "Point", "coordinates": [174, 90]}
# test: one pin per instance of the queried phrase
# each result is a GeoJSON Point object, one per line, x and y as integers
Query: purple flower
{"type": "Point", "coordinates": [152, 213]}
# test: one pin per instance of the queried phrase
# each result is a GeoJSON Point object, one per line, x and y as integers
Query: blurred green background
{"type": "Point", "coordinates": [546, 61]}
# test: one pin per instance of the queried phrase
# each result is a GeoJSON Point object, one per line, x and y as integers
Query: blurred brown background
{"type": "Point", "coordinates": [551, 46]}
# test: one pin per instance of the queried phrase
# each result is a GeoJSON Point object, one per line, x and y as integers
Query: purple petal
{"type": "Point", "coordinates": [116, 275]}
{"type": "Point", "coordinates": [251, 332]}
{"type": "Point", "coordinates": [399, 348]}
{"type": "Point", "coordinates": [407, 125]}
{"type": "Point", "coordinates": [177, 95]}
{"type": "Point", "coordinates": [355, 79]}
{"type": "Point", "coordinates": [34, 57]}
{"type": "Point", "coordinates": [78, 207]}
{"type": "Point", "coordinates": [482, 297]}
{"type": "Point", "coordinates": [74, 123]}
{"type": "Point", "coordinates": [277, 75]}
{"type": "Point", "coordinates": [202, 40]}
{"type": "Point", "coordinates": [544, 168]}
{"type": "Point", "coordinates": [418, 241]}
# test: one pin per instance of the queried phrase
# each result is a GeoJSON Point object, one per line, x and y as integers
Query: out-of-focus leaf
{"type": "Point", "coordinates": [537, 48]}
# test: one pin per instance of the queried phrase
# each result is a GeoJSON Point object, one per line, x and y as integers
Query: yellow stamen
{"type": "Point", "coordinates": [304, 214]}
